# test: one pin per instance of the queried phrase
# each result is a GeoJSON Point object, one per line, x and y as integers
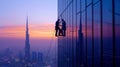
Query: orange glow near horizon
{"type": "Point", "coordinates": [35, 31]}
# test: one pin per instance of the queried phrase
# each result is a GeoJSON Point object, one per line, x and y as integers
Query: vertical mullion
{"type": "Point", "coordinates": [76, 33]}
{"type": "Point", "coordinates": [72, 38]}
{"type": "Point", "coordinates": [101, 34]}
{"type": "Point", "coordinates": [86, 29]}
{"type": "Point", "coordinates": [80, 32]}
{"type": "Point", "coordinates": [113, 28]}
{"type": "Point", "coordinates": [92, 34]}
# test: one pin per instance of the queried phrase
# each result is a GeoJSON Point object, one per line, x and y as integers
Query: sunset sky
{"type": "Point", "coordinates": [42, 15]}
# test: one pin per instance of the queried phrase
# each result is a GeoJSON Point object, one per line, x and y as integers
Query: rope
{"type": "Point", "coordinates": [49, 47]}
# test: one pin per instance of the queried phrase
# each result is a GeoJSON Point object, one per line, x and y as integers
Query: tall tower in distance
{"type": "Point", "coordinates": [27, 44]}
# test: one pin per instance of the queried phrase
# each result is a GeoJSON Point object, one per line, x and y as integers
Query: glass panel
{"type": "Point", "coordinates": [107, 33]}
{"type": "Point", "coordinates": [78, 5]}
{"type": "Point", "coordinates": [89, 1]}
{"type": "Point", "coordinates": [70, 35]}
{"type": "Point", "coordinates": [95, 1]}
{"type": "Point", "coordinates": [83, 38]}
{"type": "Point", "coordinates": [77, 45]}
{"type": "Point", "coordinates": [83, 5]}
{"type": "Point", "coordinates": [97, 34]}
{"type": "Point", "coordinates": [117, 31]}
{"type": "Point", "coordinates": [89, 35]}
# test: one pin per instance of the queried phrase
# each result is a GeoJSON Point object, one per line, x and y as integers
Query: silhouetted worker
{"type": "Point", "coordinates": [60, 28]}
{"type": "Point", "coordinates": [57, 27]}
{"type": "Point", "coordinates": [64, 27]}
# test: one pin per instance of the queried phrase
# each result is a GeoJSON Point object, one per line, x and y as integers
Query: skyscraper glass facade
{"type": "Point", "coordinates": [92, 35]}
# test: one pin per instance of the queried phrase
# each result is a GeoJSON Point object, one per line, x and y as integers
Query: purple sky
{"type": "Point", "coordinates": [13, 13]}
